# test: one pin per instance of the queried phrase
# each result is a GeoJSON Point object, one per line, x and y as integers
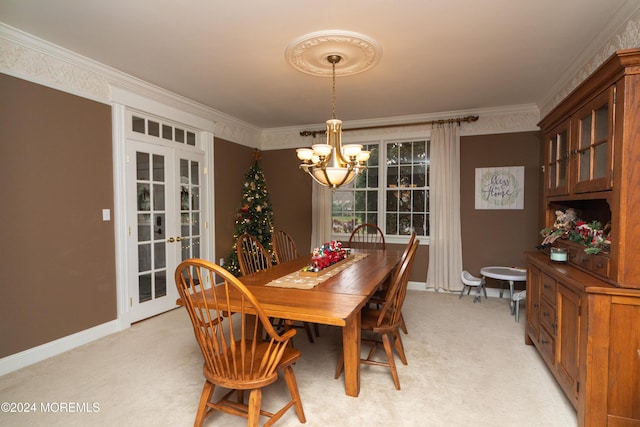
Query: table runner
{"type": "Point", "coordinates": [298, 281]}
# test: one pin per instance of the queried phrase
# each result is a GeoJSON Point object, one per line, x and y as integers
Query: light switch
{"type": "Point", "coordinates": [106, 214]}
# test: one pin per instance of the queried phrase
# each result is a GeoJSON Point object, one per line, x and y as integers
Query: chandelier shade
{"type": "Point", "coordinates": [331, 164]}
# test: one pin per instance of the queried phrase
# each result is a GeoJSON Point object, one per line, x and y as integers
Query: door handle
{"type": "Point", "coordinates": [171, 240]}
{"type": "Point", "coordinates": [178, 239]}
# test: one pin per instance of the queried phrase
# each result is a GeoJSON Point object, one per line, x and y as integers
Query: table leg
{"type": "Point", "coordinates": [351, 349]}
{"type": "Point", "coordinates": [511, 294]}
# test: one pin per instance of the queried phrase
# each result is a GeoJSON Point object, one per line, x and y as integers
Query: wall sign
{"type": "Point", "coordinates": [500, 187]}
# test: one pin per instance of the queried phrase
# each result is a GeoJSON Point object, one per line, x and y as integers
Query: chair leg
{"type": "Point", "coordinates": [400, 347]}
{"type": "Point", "coordinates": [392, 363]}
{"type": "Point", "coordinates": [316, 329]}
{"type": "Point", "coordinates": [462, 291]}
{"type": "Point", "coordinates": [403, 325]}
{"type": "Point", "coordinates": [255, 399]}
{"type": "Point", "coordinates": [203, 409]}
{"type": "Point", "coordinates": [292, 384]}
{"type": "Point", "coordinates": [517, 305]}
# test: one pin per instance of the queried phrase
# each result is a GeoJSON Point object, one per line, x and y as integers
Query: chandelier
{"type": "Point", "coordinates": [331, 164]}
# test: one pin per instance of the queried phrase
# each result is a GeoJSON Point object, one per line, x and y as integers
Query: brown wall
{"type": "Point", "coordinates": [290, 191]}
{"type": "Point", "coordinates": [56, 176]}
{"type": "Point", "coordinates": [499, 237]}
{"type": "Point", "coordinates": [230, 163]}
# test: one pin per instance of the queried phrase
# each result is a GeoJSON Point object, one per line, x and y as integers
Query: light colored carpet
{"type": "Point", "coordinates": [468, 366]}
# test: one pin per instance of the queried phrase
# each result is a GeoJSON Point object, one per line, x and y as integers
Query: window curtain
{"type": "Point", "coordinates": [445, 240]}
{"type": "Point", "coordinates": [321, 215]}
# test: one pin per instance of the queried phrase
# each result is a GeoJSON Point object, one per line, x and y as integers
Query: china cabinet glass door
{"type": "Point", "coordinates": [557, 160]}
{"type": "Point", "coordinates": [594, 144]}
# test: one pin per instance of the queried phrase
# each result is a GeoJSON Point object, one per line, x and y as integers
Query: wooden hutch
{"type": "Point", "coordinates": [583, 316]}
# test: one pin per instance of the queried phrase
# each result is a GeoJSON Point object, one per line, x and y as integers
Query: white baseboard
{"type": "Point", "coordinates": [53, 348]}
{"type": "Point", "coordinates": [491, 292]}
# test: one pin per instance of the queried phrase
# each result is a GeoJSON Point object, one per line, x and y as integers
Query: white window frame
{"type": "Point", "coordinates": [382, 182]}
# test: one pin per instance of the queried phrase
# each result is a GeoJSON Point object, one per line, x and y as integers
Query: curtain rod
{"type": "Point", "coordinates": [458, 120]}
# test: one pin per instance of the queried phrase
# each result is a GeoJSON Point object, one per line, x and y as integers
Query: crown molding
{"type": "Point", "coordinates": [33, 59]}
{"type": "Point", "coordinates": [623, 33]}
{"type": "Point", "coordinates": [509, 119]}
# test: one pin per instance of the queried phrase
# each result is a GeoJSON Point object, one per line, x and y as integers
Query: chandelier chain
{"type": "Point", "coordinates": [333, 101]}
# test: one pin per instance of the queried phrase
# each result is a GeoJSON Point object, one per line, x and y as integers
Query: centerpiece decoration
{"type": "Point", "coordinates": [325, 257]}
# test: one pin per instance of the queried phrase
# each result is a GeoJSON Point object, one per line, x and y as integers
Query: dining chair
{"type": "Point", "coordinates": [284, 246]}
{"type": "Point", "coordinates": [252, 256]}
{"type": "Point", "coordinates": [367, 236]}
{"type": "Point", "coordinates": [236, 358]}
{"type": "Point", "coordinates": [379, 297]}
{"type": "Point", "coordinates": [384, 323]}
{"type": "Point", "coordinates": [286, 250]}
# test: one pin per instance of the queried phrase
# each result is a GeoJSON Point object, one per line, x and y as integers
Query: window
{"type": "Point", "coordinates": [393, 192]}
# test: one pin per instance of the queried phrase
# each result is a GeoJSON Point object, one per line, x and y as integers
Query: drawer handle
{"type": "Point", "coordinates": [599, 265]}
{"type": "Point", "coordinates": [545, 314]}
{"type": "Point", "coordinates": [543, 341]}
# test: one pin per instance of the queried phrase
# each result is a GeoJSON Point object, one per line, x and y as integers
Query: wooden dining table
{"type": "Point", "coordinates": [336, 301]}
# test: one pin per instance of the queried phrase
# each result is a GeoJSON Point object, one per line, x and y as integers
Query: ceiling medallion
{"type": "Point", "coordinates": [309, 53]}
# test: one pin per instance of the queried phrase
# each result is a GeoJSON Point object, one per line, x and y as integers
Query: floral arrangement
{"type": "Point", "coordinates": [567, 226]}
{"type": "Point", "coordinates": [325, 256]}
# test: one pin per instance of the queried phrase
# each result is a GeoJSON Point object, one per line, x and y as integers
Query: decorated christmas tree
{"type": "Point", "coordinates": [255, 214]}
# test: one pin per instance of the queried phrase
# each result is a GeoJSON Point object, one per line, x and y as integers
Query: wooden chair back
{"type": "Point", "coordinates": [252, 256]}
{"type": "Point", "coordinates": [367, 236]}
{"type": "Point", "coordinates": [236, 354]}
{"type": "Point", "coordinates": [284, 247]}
{"type": "Point", "coordinates": [390, 316]}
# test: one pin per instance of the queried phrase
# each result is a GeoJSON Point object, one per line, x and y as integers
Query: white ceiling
{"type": "Point", "coordinates": [437, 55]}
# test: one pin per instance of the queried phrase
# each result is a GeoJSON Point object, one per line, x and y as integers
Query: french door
{"type": "Point", "coordinates": [164, 219]}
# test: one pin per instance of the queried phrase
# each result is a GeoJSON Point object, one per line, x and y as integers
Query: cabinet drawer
{"type": "Point", "coordinates": [547, 346]}
{"type": "Point", "coordinates": [548, 317]}
{"type": "Point", "coordinates": [600, 265]}
{"type": "Point", "coordinates": [548, 290]}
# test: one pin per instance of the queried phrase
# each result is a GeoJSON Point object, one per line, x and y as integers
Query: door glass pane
{"type": "Point", "coordinates": [600, 161]}
{"type": "Point", "coordinates": [195, 223]}
{"type": "Point", "coordinates": [195, 198]}
{"type": "Point", "coordinates": [144, 287]}
{"type": "Point", "coordinates": [144, 257]}
{"type": "Point", "coordinates": [196, 247]}
{"type": "Point", "coordinates": [158, 197]}
{"type": "Point", "coordinates": [195, 175]}
{"type": "Point", "coordinates": [144, 227]}
{"type": "Point", "coordinates": [552, 176]}
{"type": "Point", "coordinates": [144, 197]}
{"type": "Point", "coordinates": [553, 149]}
{"type": "Point", "coordinates": [159, 256]}
{"type": "Point", "coordinates": [562, 173]}
{"type": "Point", "coordinates": [158, 168]}
{"type": "Point", "coordinates": [142, 167]}
{"type": "Point", "coordinates": [585, 132]}
{"type": "Point", "coordinates": [602, 123]}
{"type": "Point", "coordinates": [184, 224]}
{"type": "Point", "coordinates": [161, 284]}
{"type": "Point", "coordinates": [585, 165]}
